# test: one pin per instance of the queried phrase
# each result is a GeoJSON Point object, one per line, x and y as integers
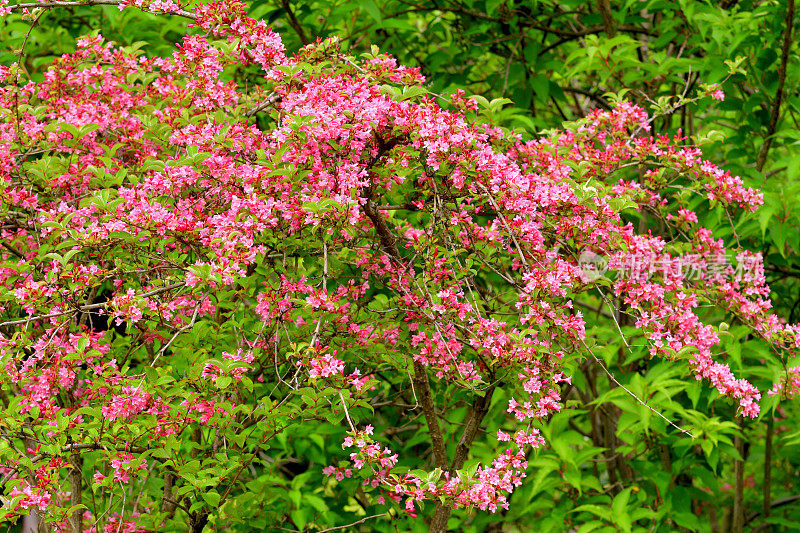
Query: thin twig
{"type": "Point", "coordinates": [623, 387]}
{"type": "Point", "coordinates": [608, 18]}
{"type": "Point", "coordinates": [354, 523]}
{"type": "Point", "coordinates": [508, 65]}
{"type": "Point", "coordinates": [505, 223]}
{"type": "Point", "coordinates": [11, 249]}
{"type": "Point", "coordinates": [175, 336]}
{"type": "Point", "coordinates": [347, 413]}
{"type": "Point", "coordinates": [271, 99]}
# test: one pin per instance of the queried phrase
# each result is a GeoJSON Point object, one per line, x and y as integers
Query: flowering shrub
{"type": "Point", "coordinates": [203, 253]}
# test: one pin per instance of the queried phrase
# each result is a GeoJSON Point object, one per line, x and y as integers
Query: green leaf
{"type": "Point", "coordinates": [212, 498]}
{"type": "Point", "coordinates": [299, 518]}
{"type": "Point", "coordinates": [372, 8]}
{"type": "Point", "coordinates": [412, 92]}
{"type": "Point", "coordinates": [602, 512]}
{"type": "Point", "coordinates": [619, 510]}
{"type": "Point", "coordinates": [82, 343]}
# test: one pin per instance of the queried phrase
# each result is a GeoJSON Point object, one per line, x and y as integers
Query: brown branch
{"type": "Point", "coordinates": [167, 504]}
{"type": "Point", "coordinates": [776, 107]}
{"type": "Point", "coordinates": [271, 99]}
{"type": "Point", "coordinates": [76, 491]}
{"type": "Point", "coordinates": [423, 388]}
{"type": "Point", "coordinates": [478, 410]}
{"type": "Point", "coordinates": [179, 505]}
{"type": "Point", "coordinates": [480, 406]}
{"type": "Point", "coordinates": [420, 379]}
{"type": "Point", "coordinates": [608, 19]}
{"type": "Point", "coordinates": [388, 240]}
{"type": "Point", "coordinates": [457, 10]}
{"type": "Point", "coordinates": [780, 502]}
{"type": "Point", "coordinates": [293, 22]}
{"type": "Point", "coordinates": [354, 523]}
{"type": "Point", "coordinates": [590, 307]}
{"type": "Point", "coordinates": [197, 522]}
{"type": "Point", "coordinates": [425, 398]}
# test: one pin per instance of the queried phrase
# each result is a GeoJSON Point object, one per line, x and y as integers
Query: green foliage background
{"type": "Point", "coordinates": [611, 464]}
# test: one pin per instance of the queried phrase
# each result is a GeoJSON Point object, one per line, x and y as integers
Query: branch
{"type": "Point", "coordinates": [271, 99]}
{"type": "Point", "coordinates": [71, 3]}
{"type": "Point", "coordinates": [85, 308]}
{"type": "Point", "coordinates": [598, 310]}
{"type": "Point", "coordinates": [76, 491]}
{"type": "Point", "coordinates": [508, 64]}
{"type": "Point", "coordinates": [69, 448]}
{"type": "Point", "coordinates": [420, 380]}
{"type": "Point", "coordinates": [478, 410]}
{"type": "Point", "coordinates": [423, 387]}
{"type": "Point", "coordinates": [184, 328]}
{"type": "Point", "coordinates": [457, 10]}
{"type": "Point", "coordinates": [572, 36]}
{"type": "Point", "coordinates": [347, 413]}
{"type": "Point", "coordinates": [88, 446]}
{"type": "Point", "coordinates": [596, 97]}
{"type": "Point", "coordinates": [776, 108]}
{"type": "Point", "coordinates": [388, 240]}
{"type": "Point", "coordinates": [768, 468]}
{"type": "Point", "coordinates": [167, 504]}
{"type": "Point", "coordinates": [294, 23]}
{"type": "Point", "coordinates": [11, 249]}
{"type": "Point", "coordinates": [608, 19]}
{"type": "Point", "coordinates": [480, 406]}
{"type": "Point", "coordinates": [780, 502]}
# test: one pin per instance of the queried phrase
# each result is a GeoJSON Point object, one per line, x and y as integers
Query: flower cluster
{"type": "Point", "coordinates": [789, 385]}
